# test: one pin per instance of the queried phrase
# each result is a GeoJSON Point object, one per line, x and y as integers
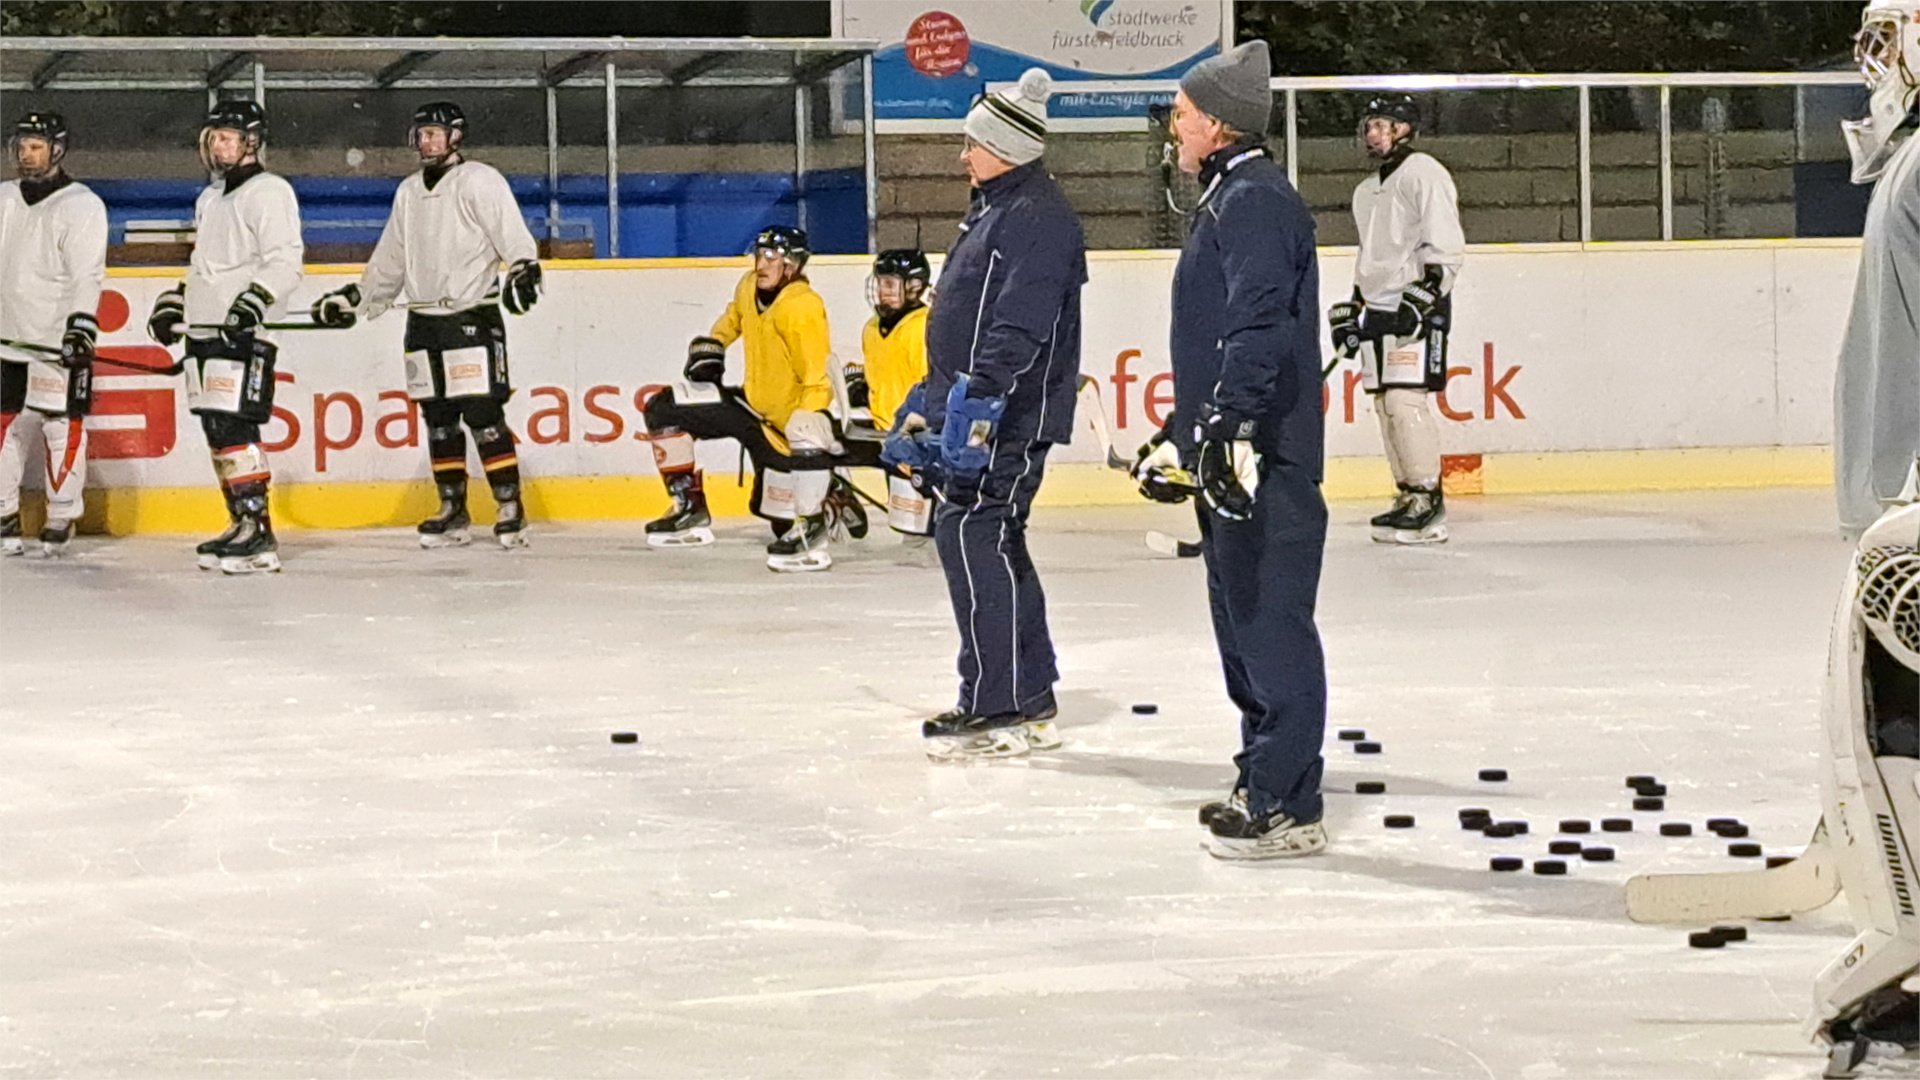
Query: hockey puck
{"type": "Point", "coordinates": [1576, 825]}
{"type": "Point", "coordinates": [1655, 790]}
{"type": "Point", "coordinates": [1736, 831]}
{"type": "Point", "coordinates": [1597, 854]}
{"type": "Point", "coordinates": [1549, 866]}
{"type": "Point", "coordinates": [1519, 827]}
{"type": "Point", "coordinates": [1676, 828]}
{"type": "Point", "coordinates": [1505, 863]}
{"type": "Point", "coordinates": [1636, 781]}
{"type": "Point", "coordinates": [1145, 709]}
{"type": "Point", "coordinates": [1706, 939]}
{"type": "Point", "coordinates": [1775, 918]}
{"type": "Point", "coordinates": [1731, 933]}
{"type": "Point", "coordinates": [1370, 787]}
{"type": "Point", "coordinates": [1744, 851]}
{"type": "Point", "coordinates": [1477, 824]}
{"type": "Point", "coordinates": [1715, 824]}
{"type": "Point", "coordinates": [1399, 821]}
{"type": "Point", "coordinates": [1366, 748]}
{"type": "Point", "coordinates": [1493, 775]}
{"type": "Point", "coordinates": [626, 737]}
{"type": "Point", "coordinates": [1649, 802]}
{"type": "Point", "coordinates": [1500, 830]}
{"type": "Point", "coordinates": [1616, 824]}
{"type": "Point", "coordinates": [1352, 734]}
{"type": "Point", "coordinates": [1474, 812]}
{"type": "Point", "coordinates": [1774, 861]}
{"type": "Point", "coordinates": [1563, 847]}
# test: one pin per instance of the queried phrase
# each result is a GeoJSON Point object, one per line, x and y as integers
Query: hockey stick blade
{"type": "Point", "coordinates": [1095, 410]}
{"type": "Point", "coordinates": [1805, 884]}
{"type": "Point", "coordinates": [1171, 545]}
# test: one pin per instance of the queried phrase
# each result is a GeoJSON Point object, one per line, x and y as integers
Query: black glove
{"type": "Point", "coordinates": [1229, 465]}
{"type": "Point", "coordinates": [858, 396]}
{"type": "Point", "coordinates": [522, 288]}
{"type": "Point", "coordinates": [76, 345]}
{"type": "Point", "coordinates": [249, 310]}
{"type": "Point", "coordinates": [706, 361]}
{"type": "Point", "coordinates": [1157, 467]}
{"type": "Point", "coordinates": [169, 314]}
{"type": "Point", "coordinates": [336, 310]}
{"type": "Point", "coordinates": [1343, 321]}
{"type": "Point", "coordinates": [1424, 297]}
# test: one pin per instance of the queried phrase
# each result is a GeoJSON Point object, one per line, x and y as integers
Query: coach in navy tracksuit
{"type": "Point", "coordinates": [1003, 355]}
{"type": "Point", "coordinates": [1248, 430]}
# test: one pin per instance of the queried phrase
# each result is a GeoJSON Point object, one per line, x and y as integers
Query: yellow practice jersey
{"type": "Point", "coordinates": [786, 348]}
{"type": "Point", "coordinates": [895, 360]}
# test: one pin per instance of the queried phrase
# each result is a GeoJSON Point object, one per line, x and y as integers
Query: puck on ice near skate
{"type": "Point", "coordinates": [1731, 933]}
{"type": "Point", "coordinates": [1493, 776]}
{"type": "Point", "coordinates": [1744, 851]}
{"type": "Point", "coordinates": [1576, 825]}
{"type": "Point", "coordinates": [1505, 863]}
{"type": "Point", "coordinates": [626, 737]}
{"type": "Point", "coordinates": [1649, 802]}
{"type": "Point", "coordinates": [1616, 824]}
{"type": "Point", "coordinates": [1549, 866]}
{"type": "Point", "coordinates": [1399, 821]}
{"type": "Point", "coordinates": [1597, 854]}
{"type": "Point", "coordinates": [1145, 708]}
{"type": "Point", "coordinates": [1775, 861]}
{"type": "Point", "coordinates": [1735, 831]}
{"type": "Point", "coordinates": [1352, 734]}
{"type": "Point", "coordinates": [1366, 748]}
{"type": "Point", "coordinates": [1675, 828]}
{"type": "Point", "coordinates": [1370, 787]}
{"type": "Point", "coordinates": [1563, 847]}
{"type": "Point", "coordinates": [1706, 939]}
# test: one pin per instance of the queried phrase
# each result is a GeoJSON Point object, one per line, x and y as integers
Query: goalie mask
{"type": "Point", "coordinates": [48, 127]}
{"type": "Point", "coordinates": [907, 266]}
{"type": "Point", "coordinates": [446, 116]}
{"type": "Point", "coordinates": [1887, 48]}
{"type": "Point", "coordinates": [233, 114]}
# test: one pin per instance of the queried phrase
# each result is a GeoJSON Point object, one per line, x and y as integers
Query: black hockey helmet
{"type": "Point", "coordinates": [443, 114]}
{"type": "Point", "coordinates": [50, 126]}
{"type": "Point", "coordinates": [233, 114]}
{"type": "Point", "coordinates": [1399, 107]}
{"type": "Point", "coordinates": [787, 241]}
{"type": "Point", "coordinates": [908, 263]}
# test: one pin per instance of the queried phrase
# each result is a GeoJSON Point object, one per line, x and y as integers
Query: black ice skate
{"type": "Point", "coordinates": [802, 549]}
{"type": "Point", "coordinates": [510, 527]}
{"type": "Point", "coordinates": [10, 542]}
{"type": "Point", "coordinates": [1424, 521]}
{"type": "Point", "coordinates": [1882, 1028]}
{"type": "Point", "coordinates": [844, 510]}
{"type": "Point", "coordinates": [1382, 524]}
{"type": "Point", "coordinates": [1274, 836]}
{"type": "Point", "coordinates": [688, 524]}
{"type": "Point", "coordinates": [54, 538]}
{"type": "Point", "coordinates": [448, 527]}
{"type": "Point", "coordinates": [207, 552]}
{"type": "Point", "coordinates": [253, 550]}
{"type": "Point", "coordinates": [958, 736]}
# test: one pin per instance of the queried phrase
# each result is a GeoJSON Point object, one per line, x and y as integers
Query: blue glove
{"type": "Point", "coordinates": [910, 445]}
{"type": "Point", "coordinates": [969, 428]}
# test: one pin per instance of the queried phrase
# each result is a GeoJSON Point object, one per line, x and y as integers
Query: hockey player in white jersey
{"type": "Point", "coordinates": [53, 258]}
{"type": "Point", "coordinates": [454, 224]}
{"type": "Point", "coordinates": [1411, 249]}
{"type": "Point", "coordinates": [247, 256]}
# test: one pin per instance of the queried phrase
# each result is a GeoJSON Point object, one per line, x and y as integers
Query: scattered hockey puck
{"type": "Point", "coordinates": [1474, 812]}
{"type": "Point", "coordinates": [1731, 933]}
{"type": "Point", "coordinates": [1519, 827]}
{"type": "Point", "coordinates": [1477, 824]}
{"type": "Point", "coordinates": [1637, 781]}
{"type": "Point", "coordinates": [1649, 802]}
{"type": "Point", "coordinates": [1616, 824]}
{"type": "Point", "coordinates": [1775, 918]}
{"type": "Point", "coordinates": [1744, 851]}
{"type": "Point", "coordinates": [1399, 821]}
{"type": "Point", "coordinates": [1735, 831]}
{"type": "Point", "coordinates": [1505, 863]}
{"type": "Point", "coordinates": [1549, 866]}
{"type": "Point", "coordinates": [1597, 854]}
{"type": "Point", "coordinates": [1706, 939]}
{"type": "Point", "coordinates": [1500, 830]}
{"type": "Point", "coordinates": [1145, 708]}
{"type": "Point", "coordinates": [1778, 860]}
{"type": "Point", "coordinates": [1654, 790]}
{"type": "Point", "coordinates": [1576, 825]}
{"type": "Point", "coordinates": [1676, 828]}
{"type": "Point", "coordinates": [1366, 748]}
{"type": "Point", "coordinates": [1563, 847]}
{"type": "Point", "coordinates": [626, 737]}
{"type": "Point", "coordinates": [1370, 787]}
{"type": "Point", "coordinates": [1351, 734]}
{"type": "Point", "coordinates": [1493, 776]}
{"type": "Point", "coordinates": [1715, 824]}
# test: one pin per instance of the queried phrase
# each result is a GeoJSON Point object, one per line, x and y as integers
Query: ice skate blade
{"type": "Point", "coordinates": [1866, 1057]}
{"type": "Point", "coordinates": [209, 562]}
{"type": "Point", "coordinates": [451, 538]}
{"type": "Point", "coordinates": [512, 540]}
{"type": "Point", "coordinates": [1383, 534]}
{"type": "Point", "coordinates": [996, 745]}
{"type": "Point", "coordinates": [806, 562]}
{"type": "Point", "coordinates": [1294, 843]}
{"type": "Point", "coordinates": [267, 562]}
{"type": "Point", "coordinates": [687, 538]}
{"type": "Point", "coordinates": [1432, 534]}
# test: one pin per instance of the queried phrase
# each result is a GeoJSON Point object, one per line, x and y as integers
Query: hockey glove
{"type": "Point", "coordinates": [1424, 297]}
{"type": "Point", "coordinates": [858, 396]}
{"type": "Point", "coordinates": [336, 310]}
{"type": "Point", "coordinates": [76, 345]}
{"type": "Point", "coordinates": [249, 310]}
{"type": "Point", "coordinates": [169, 312]}
{"type": "Point", "coordinates": [1157, 468]}
{"type": "Point", "coordinates": [522, 288]}
{"type": "Point", "coordinates": [706, 361]}
{"type": "Point", "coordinates": [1229, 465]}
{"type": "Point", "coordinates": [1343, 320]}
{"type": "Point", "coordinates": [969, 428]}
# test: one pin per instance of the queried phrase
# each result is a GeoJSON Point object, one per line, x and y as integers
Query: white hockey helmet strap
{"type": "Point", "coordinates": [1887, 49]}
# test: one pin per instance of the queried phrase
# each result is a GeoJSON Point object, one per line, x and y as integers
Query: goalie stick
{"type": "Point", "coordinates": [1808, 882]}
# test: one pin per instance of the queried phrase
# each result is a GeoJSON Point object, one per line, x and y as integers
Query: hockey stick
{"type": "Point", "coordinates": [28, 346]}
{"type": "Point", "coordinates": [1091, 404]}
{"type": "Point", "coordinates": [170, 369]}
{"type": "Point", "coordinates": [262, 326]}
{"type": "Point", "coordinates": [1174, 546]}
{"type": "Point", "coordinates": [1808, 882]}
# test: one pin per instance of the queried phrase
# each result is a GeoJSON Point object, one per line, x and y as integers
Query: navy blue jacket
{"type": "Point", "coordinates": [1246, 310]}
{"type": "Point", "coordinates": [1008, 307]}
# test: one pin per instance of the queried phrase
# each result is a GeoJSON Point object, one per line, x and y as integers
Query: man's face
{"type": "Point", "coordinates": [890, 292]}
{"type": "Point", "coordinates": [432, 141]}
{"type": "Point", "coordinates": [1194, 132]}
{"type": "Point", "coordinates": [1381, 133]}
{"type": "Point", "coordinates": [227, 147]}
{"type": "Point", "coordinates": [770, 269]}
{"type": "Point", "coordinates": [33, 156]}
{"type": "Point", "coordinates": [982, 164]}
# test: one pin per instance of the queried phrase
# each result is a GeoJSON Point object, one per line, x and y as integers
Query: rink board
{"type": "Point", "coordinates": [1633, 366]}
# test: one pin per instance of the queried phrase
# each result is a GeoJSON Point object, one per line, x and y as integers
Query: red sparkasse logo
{"type": "Point", "coordinates": [132, 417]}
{"type": "Point", "coordinates": [937, 44]}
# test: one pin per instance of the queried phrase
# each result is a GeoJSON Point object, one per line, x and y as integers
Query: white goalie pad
{"type": "Point", "coordinates": [214, 384]}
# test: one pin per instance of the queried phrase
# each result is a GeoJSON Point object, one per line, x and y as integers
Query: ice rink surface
{"type": "Point", "coordinates": [364, 819]}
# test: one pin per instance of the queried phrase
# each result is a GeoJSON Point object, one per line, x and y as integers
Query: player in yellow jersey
{"type": "Point", "coordinates": [894, 350]}
{"type": "Point", "coordinates": [779, 413]}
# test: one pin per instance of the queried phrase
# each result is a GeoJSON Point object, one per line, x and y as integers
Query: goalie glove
{"type": "Point", "coordinates": [969, 428]}
{"type": "Point", "coordinates": [1161, 476]}
{"type": "Point", "coordinates": [706, 361]}
{"type": "Point", "coordinates": [337, 310]}
{"type": "Point", "coordinates": [522, 288]}
{"type": "Point", "coordinates": [76, 345]}
{"type": "Point", "coordinates": [1229, 464]}
{"type": "Point", "coordinates": [249, 310]}
{"type": "Point", "coordinates": [169, 312]}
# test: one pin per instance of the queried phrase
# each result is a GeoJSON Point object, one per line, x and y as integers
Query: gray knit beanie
{"type": "Point", "coordinates": [1232, 87]}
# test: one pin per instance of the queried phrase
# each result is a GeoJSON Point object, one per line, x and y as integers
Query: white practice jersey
{"type": "Point", "coordinates": [443, 247]}
{"type": "Point", "coordinates": [247, 236]}
{"type": "Point", "coordinates": [1407, 222]}
{"type": "Point", "coordinates": [53, 259]}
